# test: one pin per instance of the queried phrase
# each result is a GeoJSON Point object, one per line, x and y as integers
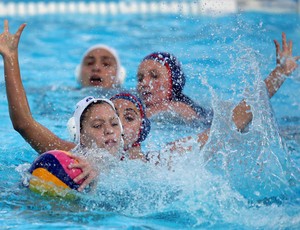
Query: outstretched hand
{"type": "Point", "coordinates": [9, 42]}
{"type": "Point", "coordinates": [88, 174]}
{"type": "Point", "coordinates": [284, 57]}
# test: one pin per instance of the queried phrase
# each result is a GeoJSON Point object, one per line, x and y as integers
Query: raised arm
{"type": "Point", "coordinates": [285, 65]}
{"type": "Point", "coordinates": [242, 115]}
{"type": "Point", "coordinates": [39, 137]}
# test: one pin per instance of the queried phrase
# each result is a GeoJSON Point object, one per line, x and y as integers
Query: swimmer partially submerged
{"type": "Point", "coordinates": [161, 81]}
{"type": "Point", "coordinates": [100, 67]}
{"type": "Point", "coordinates": [96, 123]}
{"type": "Point", "coordinates": [135, 122]}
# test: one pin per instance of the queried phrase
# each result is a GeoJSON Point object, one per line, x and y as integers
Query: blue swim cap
{"type": "Point", "coordinates": [174, 67]}
{"type": "Point", "coordinates": [146, 124]}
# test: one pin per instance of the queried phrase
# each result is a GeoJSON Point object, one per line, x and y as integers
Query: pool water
{"type": "Point", "coordinates": [237, 181]}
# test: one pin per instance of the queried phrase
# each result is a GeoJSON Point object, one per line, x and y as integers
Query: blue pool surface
{"type": "Point", "coordinates": [237, 181]}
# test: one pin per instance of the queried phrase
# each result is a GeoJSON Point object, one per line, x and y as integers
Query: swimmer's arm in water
{"type": "Point", "coordinates": [183, 110]}
{"type": "Point", "coordinates": [181, 146]}
{"type": "Point", "coordinates": [285, 65]}
{"type": "Point", "coordinates": [39, 137]}
{"type": "Point", "coordinates": [242, 115]}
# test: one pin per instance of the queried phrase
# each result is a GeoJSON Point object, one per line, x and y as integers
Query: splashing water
{"type": "Point", "coordinates": [237, 180]}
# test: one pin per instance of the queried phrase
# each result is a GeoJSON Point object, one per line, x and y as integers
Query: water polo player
{"type": "Point", "coordinates": [135, 123]}
{"type": "Point", "coordinates": [100, 67]}
{"type": "Point", "coordinates": [160, 84]}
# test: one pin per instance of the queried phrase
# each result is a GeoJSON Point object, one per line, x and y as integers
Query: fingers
{"type": "Point", "coordinates": [73, 156]}
{"type": "Point", "coordinates": [87, 181]}
{"type": "Point", "coordinates": [284, 44]}
{"type": "Point", "coordinates": [77, 158]}
{"type": "Point", "coordinates": [290, 47]}
{"type": "Point", "coordinates": [287, 47]}
{"type": "Point", "coordinates": [88, 173]}
{"type": "Point", "coordinates": [20, 30]}
{"type": "Point", "coordinates": [18, 33]}
{"type": "Point", "coordinates": [81, 176]}
{"type": "Point", "coordinates": [296, 58]}
{"type": "Point", "coordinates": [75, 165]}
{"type": "Point", "coordinates": [277, 45]}
{"type": "Point", "coordinates": [6, 28]}
{"type": "Point", "coordinates": [78, 162]}
{"type": "Point", "coordinates": [83, 185]}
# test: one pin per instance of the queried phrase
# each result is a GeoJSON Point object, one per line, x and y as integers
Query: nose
{"type": "Point", "coordinates": [108, 130]}
{"type": "Point", "coordinates": [97, 67]}
{"type": "Point", "coordinates": [146, 81]}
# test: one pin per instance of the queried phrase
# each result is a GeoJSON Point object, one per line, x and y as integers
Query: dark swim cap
{"type": "Point", "coordinates": [146, 124]}
{"type": "Point", "coordinates": [174, 67]}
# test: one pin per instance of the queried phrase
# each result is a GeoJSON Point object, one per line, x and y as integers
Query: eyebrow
{"type": "Point", "coordinates": [104, 120]}
{"type": "Point", "coordinates": [130, 109]}
{"type": "Point", "coordinates": [106, 58]}
{"type": "Point", "coordinates": [150, 70]}
{"type": "Point", "coordinates": [98, 119]}
{"type": "Point", "coordinates": [89, 58]}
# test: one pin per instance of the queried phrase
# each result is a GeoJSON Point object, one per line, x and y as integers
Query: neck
{"type": "Point", "coordinates": [153, 109]}
{"type": "Point", "coordinates": [135, 152]}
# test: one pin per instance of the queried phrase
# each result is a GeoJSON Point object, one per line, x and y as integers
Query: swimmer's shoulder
{"type": "Point", "coordinates": [184, 110]}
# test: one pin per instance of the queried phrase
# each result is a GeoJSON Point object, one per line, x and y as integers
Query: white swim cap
{"type": "Point", "coordinates": [121, 71]}
{"type": "Point", "coordinates": [74, 122]}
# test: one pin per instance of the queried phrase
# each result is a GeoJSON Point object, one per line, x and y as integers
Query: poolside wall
{"type": "Point", "coordinates": [36, 7]}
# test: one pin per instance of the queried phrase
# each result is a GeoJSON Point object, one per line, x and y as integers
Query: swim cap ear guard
{"type": "Point", "coordinates": [146, 127]}
{"type": "Point", "coordinates": [121, 74]}
{"type": "Point", "coordinates": [121, 71]}
{"type": "Point", "coordinates": [72, 128]}
{"type": "Point", "coordinates": [146, 124]}
{"type": "Point", "coordinates": [74, 122]}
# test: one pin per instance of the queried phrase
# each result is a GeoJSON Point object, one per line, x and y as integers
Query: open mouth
{"type": "Point", "coordinates": [96, 80]}
{"type": "Point", "coordinates": [111, 142]}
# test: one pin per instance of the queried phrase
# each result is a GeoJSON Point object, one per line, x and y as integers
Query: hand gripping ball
{"type": "Point", "coordinates": [51, 175]}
